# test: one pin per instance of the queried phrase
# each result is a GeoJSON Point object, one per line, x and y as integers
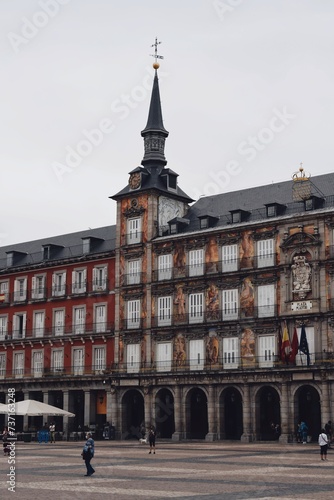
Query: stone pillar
{"type": "Point", "coordinates": [147, 408]}
{"type": "Point", "coordinates": [177, 414]}
{"type": "Point", "coordinates": [65, 419]}
{"type": "Point", "coordinates": [212, 420]}
{"type": "Point", "coordinates": [114, 420]}
{"type": "Point", "coordinates": [284, 437]}
{"type": "Point", "coordinates": [246, 415]}
{"type": "Point", "coordinates": [25, 418]}
{"type": "Point", "coordinates": [325, 403]}
{"type": "Point", "coordinates": [87, 408]}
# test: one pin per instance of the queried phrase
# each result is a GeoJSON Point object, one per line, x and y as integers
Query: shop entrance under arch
{"type": "Point", "coordinates": [268, 414]}
{"type": "Point", "coordinates": [197, 414]}
{"type": "Point", "coordinates": [231, 424]}
{"type": "Point", "coordinates": [307, 409]}
{"type": "Point", "coordinates": [164, 414]}
{"type": "Point", "coordinates": [133, 414]}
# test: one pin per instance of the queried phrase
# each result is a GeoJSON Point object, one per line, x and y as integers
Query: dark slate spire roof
{"type": "Point", "coordinates": [154, 133]}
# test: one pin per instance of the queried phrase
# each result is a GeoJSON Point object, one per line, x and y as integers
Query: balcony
{"type": "Point", "coordinates": [133, 279]}
{"type": "Point", "coordinates": [59, 331]}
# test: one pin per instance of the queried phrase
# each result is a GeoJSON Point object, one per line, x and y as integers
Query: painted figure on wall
{"type": "Point", "coordinates": [248, 347]}
{"type": "Point", "coordinates": [246, 250]}
{"type": "Point", "coordinates": [180, 302]}
{"type": "Point", "coordinates": [212, 348]}
{"type": "Point", "coordinates": [212, 302]}
{"type": "Point", "coordinates": [120, 350]}
{"type": "Point", "coordinates": [247, 298]}
{"type": "Point", "coordinates": [211, 256]}
{"type": "Point", "coordinates": [179, 260]}
{"type": "Point", "coordinates": [179, 354]}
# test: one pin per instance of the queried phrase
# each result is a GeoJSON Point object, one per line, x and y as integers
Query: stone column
{"type": "Point", "coordinates": [325, 402]}
{"type": "Point", "coordinates": [147, 408]}
{"type": "Point", "coordinates": [114, 420]}
{"type": "Point", "coordinates": [25, 418]}
{"type": "Point", "coordinates": [246, 415]}
{"type": "Point", "coordinates": [87, 408]}
{"type": "Point", "coordinates": [212, 426]}
{"type": "Point", "coordinates": [177, 414]}
{"type": "Point", "coordinates": [65, 419]}
{"type": "Point", "coordinates": [284, 437]}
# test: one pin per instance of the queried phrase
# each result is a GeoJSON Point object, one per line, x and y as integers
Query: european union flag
{"type": "Point", "coordinates": [303, 345]}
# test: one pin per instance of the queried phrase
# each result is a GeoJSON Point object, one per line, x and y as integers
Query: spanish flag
{"type": "Point", "coordinates": [286, 346]}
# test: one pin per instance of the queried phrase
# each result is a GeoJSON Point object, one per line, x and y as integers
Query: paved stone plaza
{"type": "Point", "coordinates": [187, 470]}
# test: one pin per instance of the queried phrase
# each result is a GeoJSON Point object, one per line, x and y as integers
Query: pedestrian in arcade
{"type": "Point", "coordinates": [323, 443]}
{"type": "Point", "coordinates": [151, 439]}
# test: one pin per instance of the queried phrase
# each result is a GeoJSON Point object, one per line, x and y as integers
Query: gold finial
{"type": "Point", "coordinates": [156, 65]}
{"type": "Point", "coordinates": [302, 176]}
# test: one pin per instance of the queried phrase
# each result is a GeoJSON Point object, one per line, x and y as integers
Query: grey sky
{"type": "Point", "coordinates": [246, 89]}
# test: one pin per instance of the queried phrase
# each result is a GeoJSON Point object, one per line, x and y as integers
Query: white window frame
{"type": "Point", "coordinates": [229, 258]}
{"type": "Point", "coordinates": [79, 320]}
{"type": "Point", "coordinates": [38, 286]}
{"type": "Point", "coordinates": [265, 253]}
{"type": "Point", "coordinates": [231, 352]}
{"type": "Point", "coordinates": [99, 278]}
{"type": "Point", "coordinates": [3, 326]}
{"type": "Point", "coordinates": [164, 311]}
{"type": "Point", "coordinates": [196, 354]}
{"type": "Point", "coordinates": [59, 284]}
{"type": "Point", "coordinates": [133, 358]}
{"type": "Point", "coordinates": [79, 281]}
{"type": "Point", "coordinates": [134, 231]}
{"type": "Point", "coordinates": [165, 267]}
{"type": "Point", "coordinates": [18, 364]}
{"type": "Point", "coordinates": [196, 307]}
{"type": "Point", "coordinates": [19, 326]}
{"type": "Point", "coordinates": [39, 323]}
{"type": "Point", "coordinates": [20, 289]}
{"type": "Point", "coordinates": [57, 361]}
{"type": "Point", "coordinates": [100, 317]}
{"type": "Point", "coordinates": [133, 272]}
{"type": "Point", "coordinates": [230, 304]}
{"type": "Point", "coordinates": [3, 363]}
{"type": "Point", "coordinates": [59, 322]}
{"type": "Point", "coordinates": [266, 300]}
{"type": "Point", "coordinates": [37, 363]}
{"type": "Point", "coordinates": [196, 262]}
{"type": "Point", "coordinates": [133, 313]}
{"type": "Point", "coordinates": [99, 359]}
{"type": "Point", "coordinates": [164, 356]}
{"type": "Point", "coordinates": [78, 360]}
{"type": "Point", "coordinates": [266, 350]}
{"type": "Point", "coordinates": [4, 287]}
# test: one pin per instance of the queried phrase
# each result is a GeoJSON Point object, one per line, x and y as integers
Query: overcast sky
{"type": "Point", "coordinates": [246, 89]}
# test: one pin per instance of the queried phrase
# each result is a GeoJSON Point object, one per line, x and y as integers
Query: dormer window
{"type": "Point", "coordinates": [172, 181]}
{"type": "Point", "coordinates": [14, 257]}
{"type": "Point", "coordinates": [239, 216]}
{"type": "Point", "coordinates": [313, 203]}
{"type": "Point", "coordinates": [50, 251]}
{"type": "Point", "coordinates": [274, 209]}
{"type": "Point", "coordinates": [206, 221]}
{"type": "Point", "coordinates": [85, 245]}
{"type": "Point", "coordinates": [177, 224]}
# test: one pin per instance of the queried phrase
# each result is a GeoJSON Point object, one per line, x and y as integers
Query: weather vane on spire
{"type": "Point", "coordinates": [156, 65]}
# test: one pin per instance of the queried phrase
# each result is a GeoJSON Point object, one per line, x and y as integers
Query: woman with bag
{"type": "Point", "coordinates": [323, 443]}
{"type": "Point", "coordinates": [88, 453]}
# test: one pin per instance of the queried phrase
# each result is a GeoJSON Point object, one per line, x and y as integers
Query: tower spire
{"type": "Point", "coordinates": [154, 133]}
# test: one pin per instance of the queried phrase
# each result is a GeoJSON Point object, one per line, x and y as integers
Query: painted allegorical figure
{"type": "Point", "coordinates": [179, 354]}
{"type": "Point", "coordinates": [246, 250]}
{"type": "Point", "coordinates": [247, 298]}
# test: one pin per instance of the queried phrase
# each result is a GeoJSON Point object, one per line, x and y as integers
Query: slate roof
{"type": "Point", "coordinates": [254, 200]}
{"type": "Point", "coordinates": [69, 246]}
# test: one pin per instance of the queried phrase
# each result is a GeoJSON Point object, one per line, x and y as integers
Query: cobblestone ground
{"type": "Point", "coordinates": [187, 470]}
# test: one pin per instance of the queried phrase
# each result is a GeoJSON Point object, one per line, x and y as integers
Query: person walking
{"type": "Point", "coordinates": [88, 453]}
{"type": "Point", "coordinates": [323, 443]}
{"type": "Point", "coordinates": [52, 430]}
{"type": "Point", "coordinates": [304, 431]}
{"type": "Point", "coordinates": [151, 439]}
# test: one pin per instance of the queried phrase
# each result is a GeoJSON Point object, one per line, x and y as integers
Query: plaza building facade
{"type": "Point", "coordinates": [218, 318]}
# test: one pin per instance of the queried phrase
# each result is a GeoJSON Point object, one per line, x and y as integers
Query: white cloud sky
{"type": "Point", "coordinates": [230, 69]}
